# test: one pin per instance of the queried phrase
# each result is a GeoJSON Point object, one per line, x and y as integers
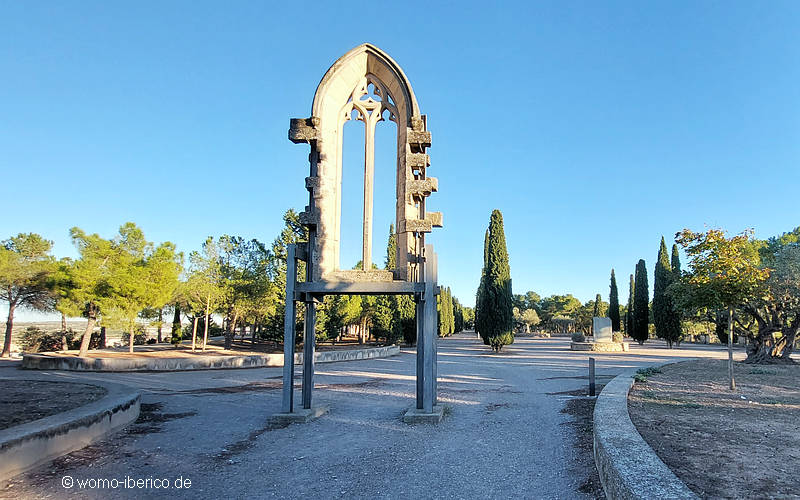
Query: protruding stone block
{"type": "Point", "coordinates": [435, 218]}
{"type": "Point", "coordinates": [415, 226]}
{"type": "Point", "coordinates": [309, 217]}
{"type": "Point", "coordinates": [422, 187]}
{"type": "Point", "coordinates": [312, 183]}
{"type": "Point", "coordinates": [303, 130]}
{"type": "Point", "coordinates": [418, 140]}
{"type": "Point", "coordinates": [602, 329]}
{"type": "Point", "coordinates": [417, 123]}
{"type": "Point", "coordinates": [417, 161]}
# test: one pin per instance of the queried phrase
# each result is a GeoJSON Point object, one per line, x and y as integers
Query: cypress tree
{"type": "Point", "coordinates": [641, 304]}
{"type": "Point", "coordinates": [629, 314]}
{"type": "Point", "coordinates": [482, 284]}
{"type": "Point", "coordinates": [674, 328]}
{"type": "Point", "coordinates": [676, 263]}
{"type": "Point", "coordinates": [404, 313]}
{"type": "Point", "coordinates": [613, 304]}
{"type": "Point", "coordinates": [496, 321]}
{"type": "Point", "coordinates": [661, 280]}
{"type": "Point", "coordinates": [598, 312]}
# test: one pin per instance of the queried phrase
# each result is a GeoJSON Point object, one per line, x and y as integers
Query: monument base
{"type": "Point", "coordinates": [418, 416]}
{"type": "Point", "coordinates": [300, 416]}
{"type": "Point", "coordinates": [600, 346]}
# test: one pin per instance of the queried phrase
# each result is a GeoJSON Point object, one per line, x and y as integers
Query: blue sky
{"type": "Point", "coordinates": [596, 127]}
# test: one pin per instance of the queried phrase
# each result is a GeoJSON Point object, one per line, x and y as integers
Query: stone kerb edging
{"type": "Point", "coordinates": [628, 467]}
{"type": "Point", "coordinates": [25, 446]}
{"type": "Point", "coordinates": [72, 363]}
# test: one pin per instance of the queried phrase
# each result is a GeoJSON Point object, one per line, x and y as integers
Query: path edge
{"type": "Point", "coordinates": [25, 446]}
{"type": "Point", "coordinates": [627, 465]}
{"type": "Point", "coordinates": [42, 361]}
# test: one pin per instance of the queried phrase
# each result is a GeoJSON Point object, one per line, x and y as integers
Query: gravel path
{"type": "Point", "coordinates": [503, 434]}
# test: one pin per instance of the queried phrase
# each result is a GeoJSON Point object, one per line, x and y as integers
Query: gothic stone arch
{"type": "Point", "coordinates": [365, 84]}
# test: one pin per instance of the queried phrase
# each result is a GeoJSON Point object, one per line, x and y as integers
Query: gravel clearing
{"type": "Point", "coordinates": [503, 435]}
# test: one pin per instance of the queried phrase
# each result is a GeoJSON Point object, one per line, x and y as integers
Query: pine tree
{"type": "Point", "coordinates": [641, 304]}
{"type": "Point", "coordinates": [629, 313]}
{"type": "Point", "coordinates": [613, 304]}
{"type": "Point", "coordinates": [496, 320]}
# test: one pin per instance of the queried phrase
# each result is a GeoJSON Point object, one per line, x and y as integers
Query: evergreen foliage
{"type": "Point", "coordinates": [629, 312]}
{"type": "Point", "coordinates": [613, 304]}
{"type": "Point", "coordinates": [641, 304]}
{"type": "Point", "coordinates": [665, 315]}
{"type": "Point", "coordinates": [495, 321]}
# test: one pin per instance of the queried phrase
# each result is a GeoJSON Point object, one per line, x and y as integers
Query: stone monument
{"type": "Point", "coordinates": [602, 329]}
{"type": "Point", "coordinates": [367, 85]}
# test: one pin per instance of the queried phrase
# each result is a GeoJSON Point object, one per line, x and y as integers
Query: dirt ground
{"type": "Point", "coordinates": [23, 401]}
{"type": "Point", "coordinates": [581, 408]}
{"type": "Point", "coordinates": [724, 444]}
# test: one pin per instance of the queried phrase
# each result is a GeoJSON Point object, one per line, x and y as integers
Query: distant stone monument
{"type": "Point", "coordinates": [602, 329]}
{"type": "Point", "coordinates": [603, 339]}
{"type": "Point", "coordinates": [365, 84]}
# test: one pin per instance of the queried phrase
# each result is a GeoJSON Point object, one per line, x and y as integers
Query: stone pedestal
{"type": "Point", "coordinates": [420, 416]}
{"type": "Point", "coordinates": [300, 416]}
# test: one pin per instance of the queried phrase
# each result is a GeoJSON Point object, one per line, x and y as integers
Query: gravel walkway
{"type": "Point", "coordinates": [503, 434]}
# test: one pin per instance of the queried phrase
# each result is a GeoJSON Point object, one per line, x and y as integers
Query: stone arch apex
{"type": "Point", "coordinates": [343, 75]}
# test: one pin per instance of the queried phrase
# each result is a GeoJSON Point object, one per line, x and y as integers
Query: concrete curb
{"type": "Point", "coordinates": [28, 445]}
{"type": "Point", "coordinates": [45, 361]}
{"type": "Point", "coordinates": [628, 467]}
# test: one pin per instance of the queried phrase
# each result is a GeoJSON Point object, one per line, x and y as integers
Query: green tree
{"type": "Point", "coordinates": [641, 304]}
{"type": "Point", "coordinates": [665, 316]}
{"type": "Point", "coordinates": [599, 310]}
{"type": "Point", "coordinates": [482, 283]}
{"type": "Point", "coordinates": [496, 320]}
{"type": "Point", "coordinates": [629, 309]}
{"type": "Point", "coordinates": [26, 269]}
{"type": "Point", "coordinates": [613, 304]}
{"type": "Point", "coordinates": [204, 287]}
{"type": "Point", "coordinates": [723, 272]}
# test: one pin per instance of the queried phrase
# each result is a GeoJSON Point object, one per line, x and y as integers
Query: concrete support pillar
{"type": "Point", "coordinates": [289, 331]}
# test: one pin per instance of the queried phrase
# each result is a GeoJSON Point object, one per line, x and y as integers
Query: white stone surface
{"type": "Point", "coordinates": [602, 329]}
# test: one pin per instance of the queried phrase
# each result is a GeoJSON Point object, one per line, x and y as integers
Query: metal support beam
{"type": "Point", "coordinates": [428, 347]}
{"type": "Point", "coordinates": [288, 331]}
{"type": "Point", "coordinates": [309, 345]}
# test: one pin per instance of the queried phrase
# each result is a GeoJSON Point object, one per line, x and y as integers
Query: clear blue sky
{"type": "Point", "coordinates": [596, 127]}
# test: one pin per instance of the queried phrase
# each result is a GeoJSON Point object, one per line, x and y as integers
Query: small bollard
{"type": "Point", "coordinates": [591, 376]}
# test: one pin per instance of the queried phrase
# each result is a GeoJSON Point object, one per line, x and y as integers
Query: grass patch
{"type": "Point", "coordinates": [761, 371]}
{"type": "Point", "coordinates": [642, 374]}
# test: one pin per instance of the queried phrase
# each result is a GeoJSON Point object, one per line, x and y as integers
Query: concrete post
{"type": "Point", "coordinates": [288, 331]}
{"type": "Point", "coordinates": [309, 345]}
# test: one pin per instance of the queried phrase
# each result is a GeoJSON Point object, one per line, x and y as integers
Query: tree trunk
{"type": "Point", "coordinates": [194, 333]}
{"type": "Point", "coordinates": [9, 327]}
{"type": "Point", "coordinates": [87, 334]}
{"type": "Point", "coordinates": [230, 331]}
{"type": "Point", "coordinates": [64, 345]}
{"type": "Point", "coordinates": [160, 323]}
{"type": "Point", "coordinates": [130, 343]}
{"type": "Point", "coordinates": [177, 335]}
{"type": "Point", "coordinates": [205, 326]}
{"type": "Point", "coordinates": [102, 337]}
{"type": "Point", "coordinates": [732, 385]}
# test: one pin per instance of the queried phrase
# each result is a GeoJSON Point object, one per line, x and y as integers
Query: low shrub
{"type": "Point", "coordinates": [617, 337]}
{"type": "Point", "coordinates": [578, 337]}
